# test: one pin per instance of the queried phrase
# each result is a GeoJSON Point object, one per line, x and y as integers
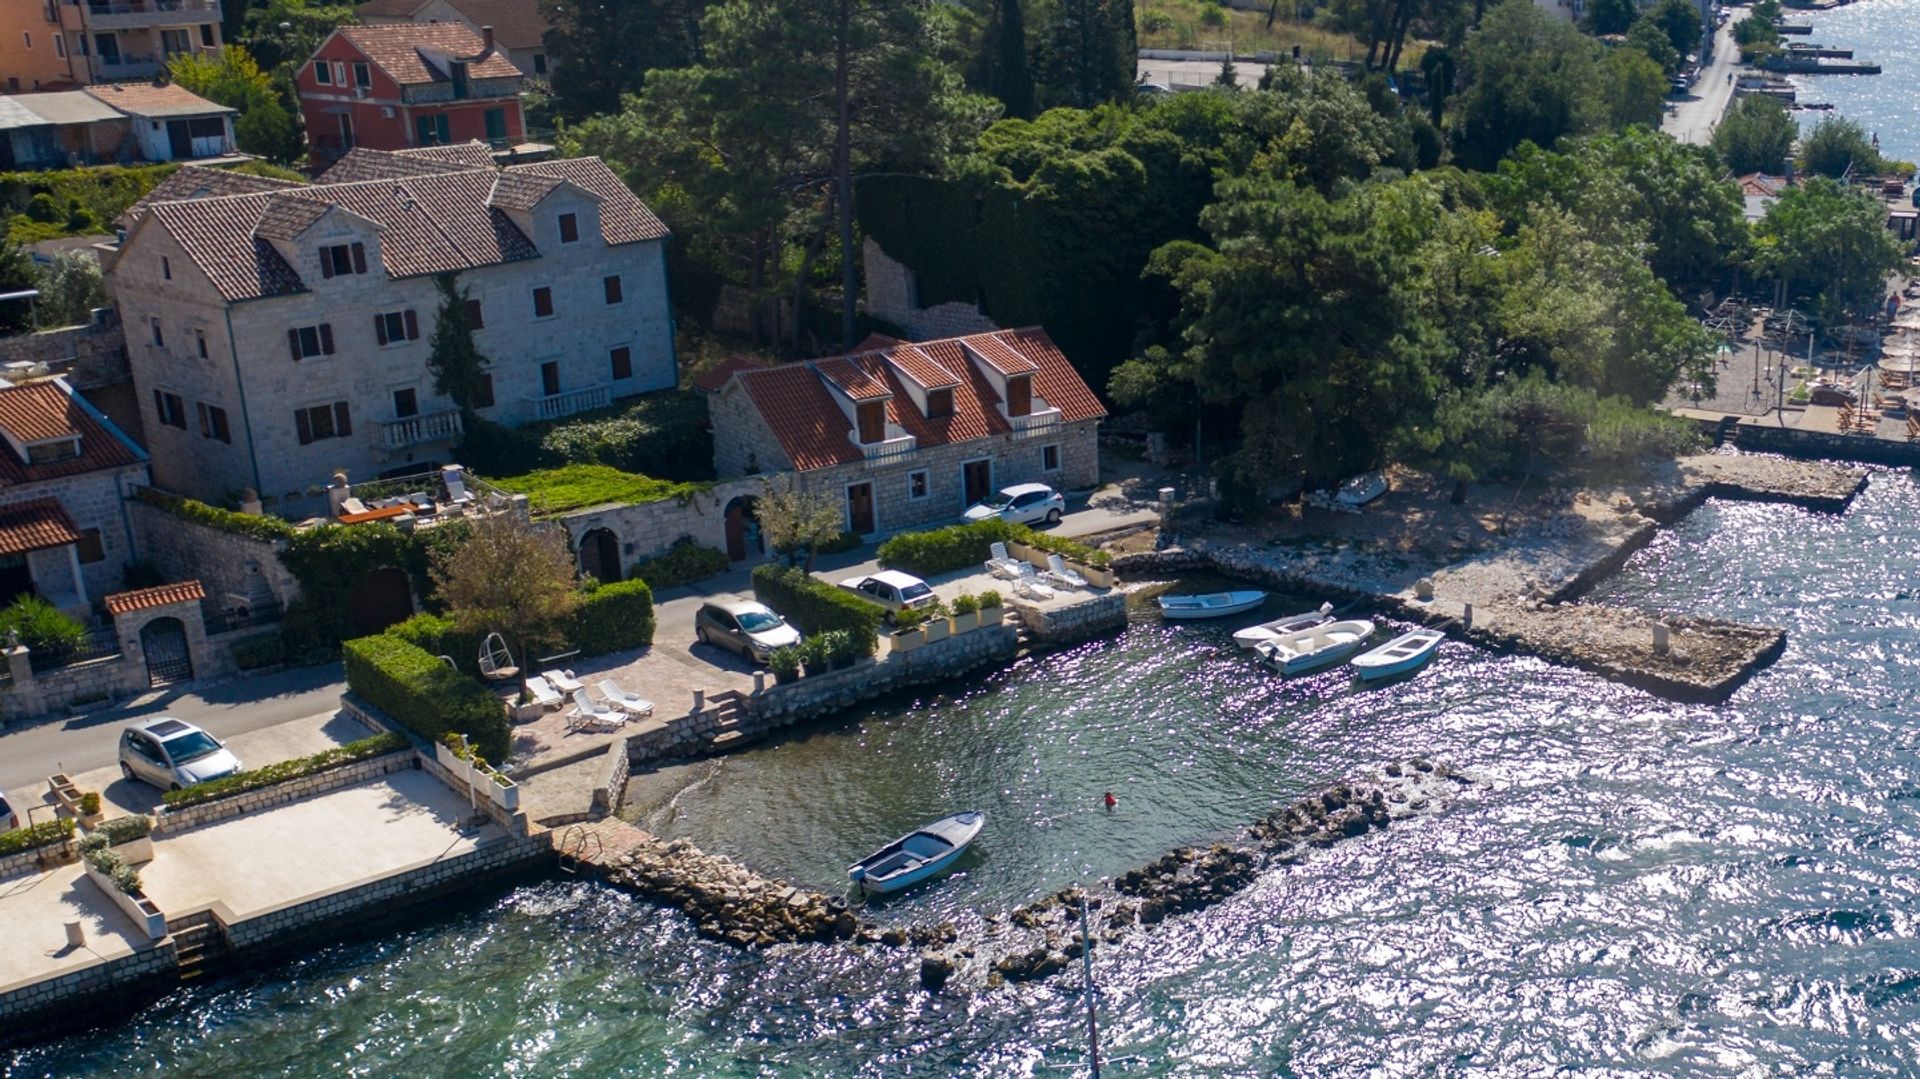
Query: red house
{"type": "Point", "coordinates": [406, 85]}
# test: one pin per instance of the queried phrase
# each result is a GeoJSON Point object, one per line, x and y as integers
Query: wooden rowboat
{"type": "Point", "coordinates": [1310, 649]}
{"type": "Point", "coordinates": [1211, 605]}
{"type": "Point", "coordinates": [1407, 652]}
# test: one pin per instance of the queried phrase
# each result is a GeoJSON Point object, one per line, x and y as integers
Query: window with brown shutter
{"type": "Point", "coordinates": [90, 549]}
{"type": "Point", "coordinates": [622, 358]}
{"type": "Point", "coordinates": [413, 325]}
{"type": "Point", "coordinates": [1019, 395]}
{"type": "Point", "coordinates": [873, 421]}
{"type": "Point", "coordinates": [359, 258]}
{"type": "Point", "coordinates": [612, 285]}
{"type": "Point", "coordinates": [380, 328]}
{"type": "Point", "coordinates": [483, 392]}
{"type": "Point", "coordinates": [542, 302]}
{"type": "Point", "coordinates": [326, 338]}
{"type": "Point", "coordinates": [475, 315]}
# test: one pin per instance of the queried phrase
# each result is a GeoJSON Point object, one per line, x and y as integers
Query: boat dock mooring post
{"type": "Point", "coordinates": [1166, 506]}
{"type": "Point", "coordinates": [1662, 638]}
{"type": "Point", "coordinates": [1466, 615]}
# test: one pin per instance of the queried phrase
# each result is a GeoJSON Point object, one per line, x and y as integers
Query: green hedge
{"type": "Point", "coordinates": [280, 772]}
{"type": "Point", "coordinates": [955, 547]}
{"type": "Point", "coordinates": [816, 606]}
{"type": "Point", "coordinates": [125, 829]}
{"type": "Point", "coordinates": [437, 634]}
{"type": "Point", "coordinates": [264, 528]}
{"type": "Point", "coordinates": [425, 695]}
{"type": "Point", "coordinates": [44, 834]}
{"type": "Point", "coordinates": [683, 563]}
{"type": "Point", "coordinates": [256, 652]}
{"type": "Point", "coordinates": [614, 617]}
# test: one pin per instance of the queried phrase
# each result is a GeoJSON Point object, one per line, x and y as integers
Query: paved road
{"type": "Point", "coordinates": [1700, 111]}
{"type": "Point", "coordinates": [29, 754]}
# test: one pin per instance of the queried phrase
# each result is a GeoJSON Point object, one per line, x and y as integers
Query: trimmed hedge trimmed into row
{"type": "Point", "coordinates": [682, 563]}
{"type": "Point", "coordinates": [281, 771]}
{"type": "Point", "coordinates": [614, 617]}
{"type": "Point", "coordinates": [425, 695]}
{"type": "Point", "coordinates": [44, 834]}
{"type": "Point", "coordinates": [267, 528]}
{"type": "Point", "coordinates": [955, 547]}
{"type": "Point", "coordinates": [816, 606]}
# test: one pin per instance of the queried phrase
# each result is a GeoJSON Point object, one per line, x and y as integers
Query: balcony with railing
{"type": "Point", "coordinates": [895, 445]}
{"type": "Point", "coordinates": [134, 14]}
{"type": "Point", "coordinates": [127, 66]}
{"type": "Point", "coordinates": [558, 405]}
{"type": "Point", "coordinates": [420, 430]}
{"type": "Point", "coordinates": [1041, 420]}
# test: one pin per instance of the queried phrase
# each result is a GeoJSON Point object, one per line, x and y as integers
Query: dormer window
{"type": "Point", "coordinates": [46, 453]}
{"type": "Point", "coordinates": [569, 228]}
{"type": "Point", "coordinates": [939, 404]}
{"type": "Point", "coordinates": [321, 74]}
{"type": "Point", "coordinates": [872, 418]}
{"type": "Point", "coordinates": [338, 260]}
{"type": "Point", "coordinates": [1020, 395]}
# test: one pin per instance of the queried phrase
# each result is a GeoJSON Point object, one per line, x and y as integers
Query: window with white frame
{"type": "Point", "coordinates": [917, 487]}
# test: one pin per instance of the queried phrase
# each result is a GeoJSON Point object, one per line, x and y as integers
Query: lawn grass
{"type": "Point", "coordinates": [1205, 24]}
{"type": "Point", "coordinates": [553, 491]}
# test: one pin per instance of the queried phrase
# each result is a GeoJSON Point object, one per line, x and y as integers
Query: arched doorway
{"type": "Point", "coordinates": [743, 529]}
{"type": "Point", "coordinates": [381, 599]}
{"type": "Point", "coordinates": [164, 642]}
{"type": "Point", "coordinates": [600, 554]}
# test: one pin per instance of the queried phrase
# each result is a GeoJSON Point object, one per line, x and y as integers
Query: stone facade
{"type": "Point", "coordinates": [225, 563]}
{"type": "Point", "coordinates": [893, 295]}
{"type": "Point", "coordinates": [90, 984]}
{"type": "Point", "coordinates": [645, 529]}
{"type": "Point", "coordinates": [89, 356]}
{"type": "Point", "coordinates": [28, 861]}
{"type": "Point", "coordinates": [1058, 626]}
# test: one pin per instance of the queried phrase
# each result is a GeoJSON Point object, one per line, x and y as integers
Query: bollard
{"type": "Point", "coordinates": [76, 935]}
{"type": "Point", "coordinates": [759, 682]}
{"type": "Point", "coordinates": [1423, 589]}
{"type": "Point", "coordinates": [699, 701]}
{"type": "Point", "coordinates": [1466, 615]}
{"type": "Point", "coordinates": [1661, 639]}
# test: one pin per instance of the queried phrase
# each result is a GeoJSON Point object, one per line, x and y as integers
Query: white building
{"type": "Point", "coordinates": [276, 336]}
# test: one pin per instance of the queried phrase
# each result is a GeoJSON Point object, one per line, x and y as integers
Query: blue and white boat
{"type": "Point", "coordinates": [1315, 647]}
{"type": "Point", "coordinates": [1405, 653]}
{"type": "Point", "coordinates": [918, 855]}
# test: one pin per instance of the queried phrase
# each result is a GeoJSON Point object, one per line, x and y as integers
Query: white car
{"type": "Point", "coordinates": [9, 820]}
{"type": "Point", "coordinates": [172, 754]}
{"type": "Point", "coordinates": [892, 589]}
{"type": "Point", "coordinates": [1023, 503]}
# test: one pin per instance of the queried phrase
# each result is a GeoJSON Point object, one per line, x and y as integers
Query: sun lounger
{"type": "Point", "coordinates": [589, 715]}
{"type": "Point", "coordinates": [631, 703]}
{"type": "Point", "coordinates": [456, 484]}
{"type": "Point", "coordinates": [1029, 586]}
{"type": "Point", "coordinates": [1058, 573]}
{"type": "Point", "coordinates": [1000, 564]}
{"type": "Point", "coordinates": [541, 692]}
{"type": "Point", "coordinates": [564, 681]}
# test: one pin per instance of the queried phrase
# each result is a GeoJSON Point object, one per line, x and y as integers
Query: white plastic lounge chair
{"type": "Point", "coordinates": [542, 693]}
{"type": "Point", "coordinates": [564, 681]}
{"type": "Point", "coordinates": [1000, 564]}
{"type": "Point", "coordinates": [349, 506]}
{"type": "Point", "coordinates": [631, 703]}
{"type": "Point", "coordinates": [589, 715]}
{"type": "Point", "coordinates": [456, 483]}
{"type": "Point", "coordinates": [1029, 586]}
{"type": "Point", "coordinates": [1058, 573]}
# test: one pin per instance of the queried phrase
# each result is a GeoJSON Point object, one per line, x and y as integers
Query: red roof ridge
{"type": "Point", "coordinates": [160, 595]}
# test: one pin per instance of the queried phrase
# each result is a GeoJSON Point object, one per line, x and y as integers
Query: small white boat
{"type": "Point", "coordinates": [1407, 652]}
{"type": "Point", "coordinates": [1310, 649]}
{"type": "Point", "coordinates": [918, 855]}
{"type": "Point", "coordinates": [1361, 489]}
{"type": "Point", "coordinates": [1255, 636]}
{"type": "Point", "coordinates": [1211, 605]}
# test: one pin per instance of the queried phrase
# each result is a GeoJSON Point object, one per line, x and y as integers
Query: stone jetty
{"type": "Point", "coordinates": [726, 900]}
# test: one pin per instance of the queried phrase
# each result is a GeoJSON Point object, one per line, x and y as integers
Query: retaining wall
{"type": "Point", "coordinates": [90, 356]}
{"type": "Point", "coordinates": [225, 563]}
{"type": "Point", "coordinates": [1058, 626]}
{"type": "Point", "coordinates": [185, 819]}
{"type": "Point", "coordinates": [158, 960]}
{"type": "Point", "coordinates": [28, 861]}
{"type": "Point", "coordinates": [1815, 445]}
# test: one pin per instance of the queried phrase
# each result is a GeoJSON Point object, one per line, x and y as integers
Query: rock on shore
{"type": "Point", "coordinates": [726, 900]}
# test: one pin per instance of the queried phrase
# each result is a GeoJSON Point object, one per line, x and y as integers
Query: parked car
{"type": "Point", "coordinates": [893, 590]}
{"type": "Point", "coordinates": [9, 820]}
{"type": "Point", "coordinates": [1023, 503]}
{"type": "Point", "coordinates": [744, 626]}
{"type": "Point", "coordinates": [172, 754]}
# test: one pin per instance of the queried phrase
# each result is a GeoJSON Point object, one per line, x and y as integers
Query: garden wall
{"type": "Point", "coordinates": [646, 529]}
{"type": "Point", "coordinates": [225, 563]}
{"type": "Point", "coordinates": [169, 821]}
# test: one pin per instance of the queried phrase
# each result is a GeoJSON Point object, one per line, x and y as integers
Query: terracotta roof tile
{"type": "Point", "coordinates": [522, 190]}
{"type": "Point", "coordinates": [285, 217]}
{"type": "Point", "coordinates": [861, 378]}
{"type": "Point", "coordinates": [361, 163]}
{"type": "Point", "coordinates": [145, 99]}
{"type": "Point", "coordinates": [803, 416]}
{"type": "Point", "coordinates": [472, 154]}
{"type": "Point", "coordinates": [921, 368]}
{"type": "Point", "coordinates": [517, 24]}
{"type": "Point", "coordinates": [996, 354]}
{"type": "Point", "coordinates": [624, 219]}
{"type": "Point", "coordinates": [141, 599]}
{"type": "Point", "coordinates": [42, 410]}
{"type": "Point", "coordinates": [35, 526]}
{"type": "Point", "coordinates": [402, 49]}
{"type": "Point", "coordinates": [199, 182]}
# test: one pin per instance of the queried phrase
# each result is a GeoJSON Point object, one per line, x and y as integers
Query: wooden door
{"type": "Point", "coordinates": [976, 481]}
{"type": "Point", "coordinates": [860, 509]}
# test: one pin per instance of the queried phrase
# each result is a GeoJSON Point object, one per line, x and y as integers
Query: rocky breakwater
{"type": "Point", "coordinates": [1043, 938]}
{"type": "Point", "coordinates": [728, 901]}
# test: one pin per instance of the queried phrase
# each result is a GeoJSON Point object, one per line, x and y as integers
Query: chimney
{"type": "Point", "coordinates": [486, 36]}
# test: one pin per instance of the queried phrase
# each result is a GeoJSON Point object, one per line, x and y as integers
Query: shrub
{"type": "Point", "coordinates": [683, 563]}
{"type": "Point", "coordinates": [845, 541]}
{"type": "Point", "coordinates": [423, 694]}
{"type": "Point", "coordinates": [268, 650]}
{"type": "Point", "coordinates": [127, 879]}
{"type": "Point", "coordinates": [89, 803]}
{"type": "Point", "coordinates": [281, 771]}
{"type": "Point", "coordinates": [785, 662]}
{"type": "Point", "coordinates": [943, 550]}
{"type": "Point", "coordinates": [103, 860]}
{"type": "Point", "coordinates": [989, 600]}
{"type": "Point", "coordinates": [44, 834]}
{"type": "Point", "coordinates": [965, 604]}
{"type": "Point", "coordinates": [43, 628]}
{"type": "Point", "coordinates": [91, 842]}
{"type": "Point", "coordinates": [816, 606]}
{"type": "Point", "coordinates": [437, 634]}
{"type": "Point", "coordinates": [263, 528]}
{"type": "Point", "coordinates": [572, 487]}
{"type": "Point", "coordinates": [614, 617]}
{"type": "Point", "coordinates": [125, 829]}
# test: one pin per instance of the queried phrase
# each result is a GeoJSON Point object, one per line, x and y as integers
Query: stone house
{"type": "Point", "coordinates": [280, 335]}
{"type": "Point", "coordinates": [64, 472]}
{"type": "Point", "coordinates": [406, 85]}
{"type": "Point", "coordinates": [519, 27]}
{"type": "Point", "coordinates": [908, 435]}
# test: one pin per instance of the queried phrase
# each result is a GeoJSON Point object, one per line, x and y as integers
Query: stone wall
{"type": "Point", "coordinates": [175, 821]}
{"type": "Point", "coordinates": [1058, 626]}
{"type": "Point", "coordinates": [1821, 445]}
{"type": "Point", "coordinates": [90, 984]}
{"type": "Point", "coordinates": [646, 529]}
{"type": "Point", "coordinates": [893, 294]}
{"type": "Point", "coordinates": [225, 563]}
{"type": "Point", "coordinates": [90, 356]}
{"type": "Point", "coordinates": [28, 861]}
{"type": "Point", "coordinates": [31, 693]}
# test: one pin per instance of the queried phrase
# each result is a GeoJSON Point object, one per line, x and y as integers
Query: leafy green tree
{"type": "Point", "coordinates": [70, 289]}
{"type": "Point", "coordinates": [459, 370]}
{"type": "Point", "coordinates": [1611, 16]}
{"type": "Point", "coordinates": [1755, 136]}
{"type": "Point", "coordinates": [1524, 75]}
{"type": "Point", "coordinates": [233, 78]}
{"type": "Point", "coordinates": [1086, 53]}
{"type": "Point", "coordinates": [1649, 38]}
{"type": "Point", "coordinates": [1836, 147]}
{"type": "Point", "coordinates": [1681, 21]}
{"type": "Point", "coordinates": [605, 48]}
{"type": "Point", "coordinates": [797, 521]}
{"type": "Point", "coordinates": [1831, 243]}
{"type": "Point", "coordinates": [509, 577]}
{"type": "Point", "coordinates": [1003, 59]}
{"type": "Point", "coordinates": [1634, 88]}
{"type": "Point", "coordinates": [16, 275]}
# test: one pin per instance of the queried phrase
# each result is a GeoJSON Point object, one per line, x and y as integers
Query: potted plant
{"type": "Point", "coordinates": [844, 650]}
{"type": "Point", "coordinates": [908, 630]}
{"type": "Point", "coordinates": [990, 608]}
{"type": "Point", "coordinates": [813, 653]}
{"type": "Point", "coordinates": [785, 663]}
{"type": "Point", "coordinates": [506, 793]}
{"type": "Point", "coordinates": [129, 837]}
{"type": "Point", "coordinates": [966, 613]}
{"type": "Point", "coordinates": [89, 810]}
{"type": "Point", "coordinates": [938, 627]}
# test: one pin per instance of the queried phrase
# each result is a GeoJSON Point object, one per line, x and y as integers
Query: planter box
{"type": "Point", "coordinates": [966, 623]}
{"type": "Point", "coordinates": [507, 797]}
{"type": "Point", "coordinates": [1095, 575]}
{"type": "Point", "coordinates": [135, 851]}
{"type": "Point", "coordinates": [139, 908]}
{"type": "Point", "coordinates": [991, 616]}
{"type": "Point", "coordinates": [908, 640]}
{"type": "Point", "coordinates": [937, 629]}
{"type": "Point", "coordinates": [444, 754]}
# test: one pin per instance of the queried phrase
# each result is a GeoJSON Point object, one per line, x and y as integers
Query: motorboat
{"type": "Point", "coordinates": [1361, 489]}
{"type": "Point", "coordinates": [918, 855]}
{"type": "Point", "coordinates": [1317, 646]}
{"type": "Point", "coordinates": [1407, 652]}
{"type": "Point", "coordinates": [1210, 605]}
{"type": "Point", "coordinates": [1255, 636]}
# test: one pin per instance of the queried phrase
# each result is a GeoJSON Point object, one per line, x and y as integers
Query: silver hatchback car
{"type": "Point", "coordinates": [172, 754]}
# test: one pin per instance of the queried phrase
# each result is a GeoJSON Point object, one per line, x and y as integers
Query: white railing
{"type": "Point", "coordinates": [414, 430]}
{"type": "Point", "coordinates": [1037, 422]}
{"type": "Point", "coordinates": [566, 404]}
{"type": "Point", "coordinates": [887, 449]}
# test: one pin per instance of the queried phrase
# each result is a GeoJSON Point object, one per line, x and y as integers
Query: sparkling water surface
{"type": "Point", "coordinates": [1886, 32]}
{"type": "Point", "coordinates": [1634, 887]}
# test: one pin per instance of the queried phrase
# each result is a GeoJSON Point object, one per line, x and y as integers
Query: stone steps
{"type": "Point", "coordinates": [199, 947]}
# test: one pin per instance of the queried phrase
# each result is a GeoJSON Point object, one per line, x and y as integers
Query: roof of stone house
{"type": "Point", "coordinates": [361, 163]}
{"type": "Point", "coordinates": [144, 99]}
{"type": "Point", "coordinates": [794, 401]}
{"type": "Point", "coordinates": [861, 378]}
{"type": "Point", "coordinates": [1759, 183]}
{"type": "Point", "coordinates": [403, 51]}
{"type": "Point", "coordinates": [39, 411]}
{"type": "Point", "coordinates": [715, 378]}
{"type": "Point", "coordinates": [517, 24]}
{"type": "Point", "coordinates": [142, 599]}
{"type": "Point", "coordinates": [920, 367]}
{"type": "Point", "coordinates": [434, 222]}
{"type": "Point", "coordinates": [35, 525]}
{"type": "Point", "coordinates": [199, 182]}
{"type": "Point", "coordinates": [522, 190]}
